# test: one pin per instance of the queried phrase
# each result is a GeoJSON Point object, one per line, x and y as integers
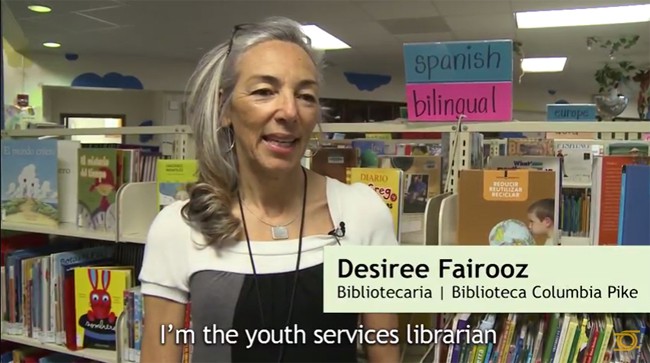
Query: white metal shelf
{"type": "Point", "coordinates": [136, 209]}
{"type": "Point", "coordinates": [402, 125]}
{"type": "Point", "coordinates": [129, 130]}
{"type": "Point", "coordinates": [62, 229]}
{"type": "Point", "coordinates": [104, 356]}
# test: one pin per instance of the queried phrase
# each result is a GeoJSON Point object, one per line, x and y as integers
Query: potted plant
{"type": "Point", "coordinates": [610, 75]}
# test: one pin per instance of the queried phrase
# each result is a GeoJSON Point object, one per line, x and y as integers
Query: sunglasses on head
{"type": "Point", "coordinates": [237, 28]}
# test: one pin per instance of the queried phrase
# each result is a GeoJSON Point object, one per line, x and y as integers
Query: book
{"type": "Point", "coordinates": [29, 182]}
{"type": "Point", "coordinates": [99, 302]}
{"type": "Point", "coordinates": [387, 183]}
{"type": "Point", "coordinates": [577, 159]}
{"type": "Point", "coordinates": [507, 207]}
{"type": "Point", "coordinates": [633, 226]}
{"type": "Point", "coordinates": [68, 180]}
{"type": "Point", "coordinates": [97, 188]}
{"type": "Point", "coordinates": [544, 163]}
{"type": "Point", "coordinates": [523, 146]}
{"type": "Point", "coordinates": [422, 179]}
{"type": "Point", "coordinates": [173, 178]}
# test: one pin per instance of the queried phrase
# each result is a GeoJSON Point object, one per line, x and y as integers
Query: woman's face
{"type": "Point", "coordinates": [274, 106]}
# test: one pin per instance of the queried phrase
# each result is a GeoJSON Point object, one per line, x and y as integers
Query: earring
{"type": "Point", "coordinates": [313, 152]}
{"type": "Point", "coordinates": [229, 136]}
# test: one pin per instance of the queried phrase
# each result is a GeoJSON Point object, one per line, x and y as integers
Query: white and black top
{"type": "Point", "coordinates": [220, 284]}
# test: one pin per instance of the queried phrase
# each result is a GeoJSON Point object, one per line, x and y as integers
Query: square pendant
{"type": "Point", "coordinates": [279, 232]}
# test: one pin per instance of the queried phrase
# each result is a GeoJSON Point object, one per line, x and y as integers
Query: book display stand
{"type": "Point", "coordinates": [136, 206]}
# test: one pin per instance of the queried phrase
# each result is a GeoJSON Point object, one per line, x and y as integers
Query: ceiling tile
{"type": "Point", "coordinates": [467, 7]}
{"type": "Point", "coordinates": [63, 24]}
{"type": "Point", "coordinates": [362, 33]}
{"type": "Point", "coordinates": [425, 37]}
{"type": "Point", "coordinates": [415, 25]}
{"type": "Point", "coordinates": [471, 27]}
{"type": "Point", "coordinates": [398, 9]}
{"type": "Point", "coordinates": [20, 11]}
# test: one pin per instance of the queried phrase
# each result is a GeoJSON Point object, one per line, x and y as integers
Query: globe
{"type": "Point", "coordinates": [511, 232]}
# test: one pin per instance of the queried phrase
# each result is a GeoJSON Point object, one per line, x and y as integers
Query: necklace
{"type": "Point", "coordinates": [295, 276]}
{"type": "Point", "coordinates": [278, 231]}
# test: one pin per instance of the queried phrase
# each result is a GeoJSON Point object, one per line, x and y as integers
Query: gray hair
{"type": "Point", "coordinates": [210, 88]}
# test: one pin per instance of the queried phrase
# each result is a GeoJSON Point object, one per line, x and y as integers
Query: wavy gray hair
{"type": "Point", "coordinates": [210, 89]}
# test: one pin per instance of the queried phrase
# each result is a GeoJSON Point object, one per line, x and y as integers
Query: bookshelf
{"type": "Point", "coordinates": [136, 207]}
{"type": "Point", "coordinates": [104, 356]}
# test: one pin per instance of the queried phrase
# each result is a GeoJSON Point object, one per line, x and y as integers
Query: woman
{"type": "Point", "coordinates": [248, 245]}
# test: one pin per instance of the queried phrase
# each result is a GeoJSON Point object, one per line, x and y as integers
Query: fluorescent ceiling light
{"type": "Point", "coordinates": [51, 44]}
{"type": "Point", "coordinates": [581, 17]}
{"type": "Point", "coordinates": [540, 65]}
{"type": "Point", "coordinates": [320, 39]}
{"type": "Point", "coordinates": [39, 8]}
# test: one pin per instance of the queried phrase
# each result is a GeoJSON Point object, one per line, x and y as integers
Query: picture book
{"type": "Point", "coordinates": [387, 183]}
{"type": "Point", "coordinates": [629, 148]}
{"type": "Point", "coordinates": [507, 207]}
{"type": "Point", "coordinates": [570, 219]}
{"type": "Point", "coordinates": [97, 187]}
{"type": "Point", "coordinates": [29, 185]}
{"type": "Point", "coordinates": [99, 302]}
{"type": "Point", "coordinates": [577, 159]}
{"type": "Point", "coordinates": [172, 179]}
{"type": "Point", "coordinates": [521, 146]}
{"type": "Point", "coordinates": [422, 179]}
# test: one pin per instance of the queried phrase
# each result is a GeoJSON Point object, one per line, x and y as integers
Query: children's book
{"type": "Point", "coordinates": [422, 179]}
{"type": "Point", "coordinates": [99, 302]}
{"type": "Point", "coordinates": [544, 163]}
{"type": "Point", "coordinates": [498, 207]}
{"type": "Point", "coordinates": [29, 184]}
{"type": "Point", "coordinates": [387, 183]}
{"type": "Point", "coordinates": [98, 183]}
{"type": "Point", "coordinates": [173, 178]}
{"type": "Point", "coordinates": [577, 159]}
{"type": "Point", "coordinates": [522, 146]}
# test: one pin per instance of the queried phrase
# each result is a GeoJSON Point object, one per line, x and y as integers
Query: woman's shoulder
{"type": "Point", "coordinates": [359, 199]}
{"type": "Point", "coordinates": [169, 220]}
{"type": "Point", "coordinates": [365, 213]}
{"type": "Point", "coordinates": [355, 192]}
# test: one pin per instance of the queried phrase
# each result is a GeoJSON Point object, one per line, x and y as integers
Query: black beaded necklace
{"type": "Point", "coordinates": [297, 270]}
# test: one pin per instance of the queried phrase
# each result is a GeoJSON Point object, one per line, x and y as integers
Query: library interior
{"type": "Point", "coordinates": [477, 123]}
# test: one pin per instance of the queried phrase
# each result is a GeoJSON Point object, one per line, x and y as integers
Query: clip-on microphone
{"type": "Point", "coordinates": [338, 232]}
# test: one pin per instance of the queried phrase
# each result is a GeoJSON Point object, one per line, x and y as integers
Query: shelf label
{"type": "Point", "coordinates": [474, 61]}
{"type": "Point", "coordinates": [571, 112]}
{"type": "Point", "coordinates": [488, 101]}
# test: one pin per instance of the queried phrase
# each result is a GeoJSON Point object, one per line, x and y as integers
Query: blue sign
{"type": "Point", "coordinates": [476, 61]}
{"type": "Point", "coordinates": [571, 112]}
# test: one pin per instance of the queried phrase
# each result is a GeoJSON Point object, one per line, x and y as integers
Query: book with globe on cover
{"type": "Point", "coordinates": [507, 207]}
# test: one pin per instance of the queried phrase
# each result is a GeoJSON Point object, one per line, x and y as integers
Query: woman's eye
{"type": "Point", "coordinates": [307, 97]}
{"type": "Point", "coordinates": [263, 92]}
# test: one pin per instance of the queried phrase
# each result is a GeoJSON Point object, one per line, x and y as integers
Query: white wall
{"type": "Point", "coordinates": [30, 74]}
